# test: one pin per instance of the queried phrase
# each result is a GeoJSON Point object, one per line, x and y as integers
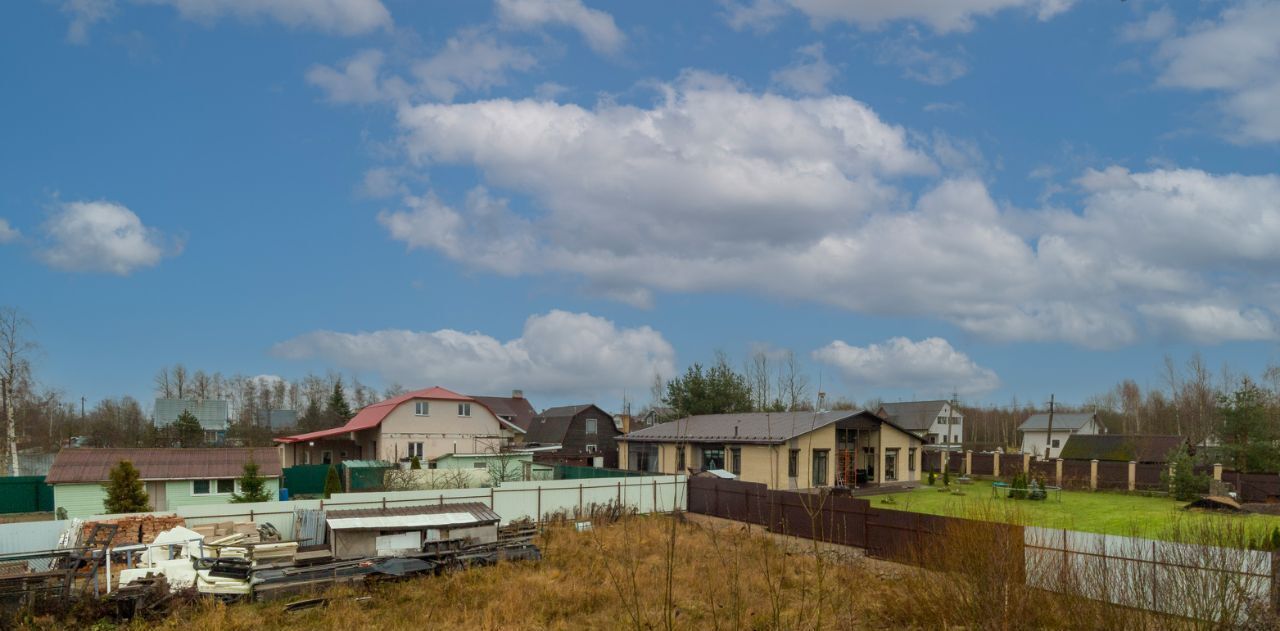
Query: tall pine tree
{"type": "Point", "coordinates": [125, 493]}
{"type": "Point", "coordinates": [187, 430]}
{"type": "Point", "coordinates": [338, 411]}
{"type": "Point", "coordinates": [253, 487]}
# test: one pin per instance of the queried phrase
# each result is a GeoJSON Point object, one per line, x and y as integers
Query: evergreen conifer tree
{"type": "Point", "coordinates": [188, 431]}
{"type": "Point", "coordinates": [332, 484]}
{"type": "Point", "coordinates": [125, 493]}
{"type": "Point", "coordinates": [338, 410]}
{"type": "Point", "coordinates": [253, 487]}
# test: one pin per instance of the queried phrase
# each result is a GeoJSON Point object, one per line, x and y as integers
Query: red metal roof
{"type": "Point", "coordinates": [81, 465]}
{"type": "Point", "coordinates": [371, 416]}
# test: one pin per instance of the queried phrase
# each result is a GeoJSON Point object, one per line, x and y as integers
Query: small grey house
{"type": "Point", "coordinates": [1036, 435]}
{"type": "Point", "coordinates": [939, 423]}
{"type": "Point", "coordinates": [213, 414]}
{"type": "Point", "coordinates": [584, 432]}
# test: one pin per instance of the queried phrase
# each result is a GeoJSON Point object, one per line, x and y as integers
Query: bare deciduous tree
{"type": "Point", "coordinates": [15, 374]}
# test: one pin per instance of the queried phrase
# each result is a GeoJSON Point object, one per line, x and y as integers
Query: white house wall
{"type": "Point", "coordinates": [441, 432]}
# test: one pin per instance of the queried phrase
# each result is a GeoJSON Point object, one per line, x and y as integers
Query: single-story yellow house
{"type": "Point", "coordinates": [785, 450]}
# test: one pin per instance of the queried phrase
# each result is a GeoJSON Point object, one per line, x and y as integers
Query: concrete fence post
{"type": "Point", "coordinates": [1217, 472]}
{"type": "Point", "coordinates": [1026, 464]}
{"type": "Point", "coordinates": [995, 464]}
{"type": "Point", "coordinates": [1133, 475]}
{"type": "Point", "coordinates": [1093, 474]}
{"type": "Point", "coordinates": [968, 462]}
{"type": "Point", "coordinates": [1057, 472]}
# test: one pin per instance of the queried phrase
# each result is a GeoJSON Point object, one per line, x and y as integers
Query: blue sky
{"type": "Point", "coordinates": [1004, 197]}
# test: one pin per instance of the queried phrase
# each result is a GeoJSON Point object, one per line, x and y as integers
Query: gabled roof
{"type": "Point", "coordinates": [552, 424]}
{"type": "Point", "coordinates": [1068, 420]}
{"type": "Point", "coordinates": [518, 410]}
{"type": "Point", "coordinates": [748, 427]}
{"type": "Point", "coordinates": [914, 415]}
{"type": "Point", "coordinates": [372, 416]}
{"type": "Point", "coordinates": [1120, 447]}
{"type": "Point", "coordinates": [80, 465]}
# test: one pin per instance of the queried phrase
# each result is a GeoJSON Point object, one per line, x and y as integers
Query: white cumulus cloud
{"type": "Point", "coordinates": [930, 366]}
{"type": "Point", "coordinates": [342, 17]}
{"type": "Point", "coordinates": [7, 232]}
{"type": "Point", "coordinates": [715, 188]}
{"type": "Point", "coordinates": [595, 26]}
{"type": "Point", "coordinates": [810, 74]}
{"type": "Point", "coordinates": [558, 354]}
{"type": "Point", "coordinates": [942, 16]}
{"type": "Point", "coordinates": [1237, 56]}
{"type": "Point", "coordinates": [100, 236]}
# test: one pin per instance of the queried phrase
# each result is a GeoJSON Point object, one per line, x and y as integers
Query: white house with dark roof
{"type": "Point", "coordinates": [1036, 435]}
{"type": "Point", "coordinates": [938, 423]}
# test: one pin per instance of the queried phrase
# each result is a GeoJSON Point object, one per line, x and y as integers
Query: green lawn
{"type": "Point", "coordinates": [1103, 512]}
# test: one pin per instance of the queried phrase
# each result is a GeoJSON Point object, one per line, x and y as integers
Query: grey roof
{"type": "Point", "coordinates": [913, 415]}
{"type": "Point", "coordinates": [747, 427]}
{"type": "Point", "coordinates": [1070, 420]}
{"type": "Point", "coordinates": [212, 413]}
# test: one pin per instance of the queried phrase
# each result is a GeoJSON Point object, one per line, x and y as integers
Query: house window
{"type": "Point", "coordinates": [464, 409]}
{"type": "Point", "coordinates": [911, 459]}
{"type": "Point", "coordinates": [306, 457]}
{"type": "Point", "coordinates": [679, 458]}
{"type": "Point", "coordinates": [326, 457]}
{"type": "Point", "coordinates": [793, 463]}
{"type": "Point", "coordinates": [820, 467]}
{"type": "Point", "coordinates": [415, 449]}
{"type": "Point", "coordinates": [479, 464]}
{"type": "Point", "coordinates": [422, 408]}
{"type": "Point", "coordinates": [735, 460]}
{"type": "Point", "coordinates": [224, 486]}
{"type": "Point", "coordinates": [1055, 443]}
{"type": "Point", "coordinates": [713, 457]}
{"type": "Point", "coordinates": [890, 465]}
{"type": "Point", "coordinates": [591, 448]}
{"type": "Point", "coordinates": [591, 426]}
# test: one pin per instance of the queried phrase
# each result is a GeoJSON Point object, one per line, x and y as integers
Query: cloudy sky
{"type": "Point", "coordinates": [1000, 197]}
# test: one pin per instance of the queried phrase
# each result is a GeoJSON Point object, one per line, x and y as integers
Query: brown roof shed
{"type": "Point", "coordinates": [79, 466]}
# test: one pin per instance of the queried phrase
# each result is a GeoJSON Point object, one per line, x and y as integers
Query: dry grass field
{"type": "Point", "coordinates": [687, 572]}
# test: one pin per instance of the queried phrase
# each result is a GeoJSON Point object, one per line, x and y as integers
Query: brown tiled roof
{"type": "Point", "coordinates": [77, 465]}
{"type": "Point", "coordinates": [481, 512]}
{"type": "Point", "coordinates": [518, 409]}
{"type": "Point", "coordinates": [748, 427]}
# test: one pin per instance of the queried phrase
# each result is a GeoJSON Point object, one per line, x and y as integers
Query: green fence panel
{"type": "Point", "coordinates": [363, 478]}
{"type": "Point", "coordinates": [573, 472]}
{"type": "Point", "coordinates": [305, 479]}
{"type": "Point", "coordinates": [25, 494]}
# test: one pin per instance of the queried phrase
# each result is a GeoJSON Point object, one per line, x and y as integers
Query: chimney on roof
{"type": "Point", "coordinates": [735, 431]}
{"type": "Point", "coordinates": [517, 394]}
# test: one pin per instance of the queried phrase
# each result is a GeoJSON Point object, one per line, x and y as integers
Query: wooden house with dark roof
{"type": "Point", "coordinates": [584, 432]}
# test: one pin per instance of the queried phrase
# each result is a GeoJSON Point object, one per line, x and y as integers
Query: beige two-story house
{"type": "Point", "coordinates": [427, 423]}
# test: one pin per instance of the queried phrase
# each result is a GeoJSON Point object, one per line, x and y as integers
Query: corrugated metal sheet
{"type": "Point", "coordinates": [480, 511]}
{"type": "Point", "coordinates": [94, 465]}
{"type": "Point", "coordinates": [31, 536]}
{"type": "Point", "coordinates": [308, 526]}
{"type": "Point", "coordinates": [437, 520]}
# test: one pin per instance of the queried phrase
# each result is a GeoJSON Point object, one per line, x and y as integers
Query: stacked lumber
{"type": "Point", "coordinates": [135, 528]}
{"type": "Point", "coordinates": [220, 530]}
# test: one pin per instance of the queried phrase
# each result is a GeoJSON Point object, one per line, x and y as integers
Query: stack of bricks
{"type": "Point", "coordinates": [136, 528]}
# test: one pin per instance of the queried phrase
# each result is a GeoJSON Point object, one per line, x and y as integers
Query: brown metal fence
{"type": "Point", "coordinates": [1046, 470]}
{"type": "Point", "coordinates": [983, 464]}
{"type": "Point", "coordinates": [1148, 477]}
{"type": "Point", "coordinates": [1075, 474]}
{"type": "Point", "coordinates": [1113, 476]}
{"type": "Point", "coordinates": [1254, 487]}
{"type": "Point", "coordinates": [890, 534]}
{"type": "Point", "coordinates": [1010, 465]}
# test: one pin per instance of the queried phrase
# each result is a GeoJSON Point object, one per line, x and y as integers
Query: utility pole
{"type": "Point", "coordinates": [1048, 443]}
{"type": "Point", "coordinates": [951, 407]}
